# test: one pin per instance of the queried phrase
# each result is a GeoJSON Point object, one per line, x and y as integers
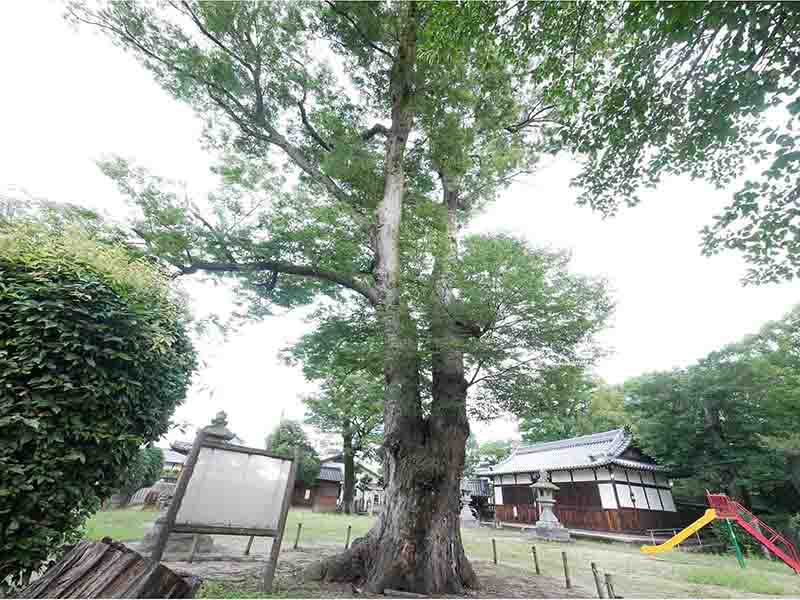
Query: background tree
{"type": "Point", "coordinates": [494, 451]}
{"type": "Point", "coordinates": [569, 403]}
{"type": "Point", "coordinates": [289, 436]}
{"type": "Point", "coordinates": [711, 420]}
{"type": "Point", "coordinates": [350, 406]}
{"type": "Point", "coordinates": [472, 456]}
{"type": "Point", "coordinates": [341, 355]}
{"type": "Point", "coordinates": [143, 471]}
{"type": "Point", "coordinates": [94, 358]}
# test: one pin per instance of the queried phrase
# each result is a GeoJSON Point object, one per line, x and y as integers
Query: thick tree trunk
{"type": "Point", "coordinates": [416, 543]}
{"type": "Point", "coordinates": [349, 472]}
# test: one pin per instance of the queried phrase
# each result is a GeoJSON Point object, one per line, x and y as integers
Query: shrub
{"type": "Point", "coordinates": [94, 358]}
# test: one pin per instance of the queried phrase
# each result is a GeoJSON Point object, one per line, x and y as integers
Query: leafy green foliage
{"type": "Point", "coordinates": [144, 470]}
{"type": "Point", "coordinates": [94, 358]}
{"type": "Point", "coordinates": [716, 422]}
{"type": "Point", "coordinates": [289, 436]}
{"type": "Point", "coordinates": [572, 404]}
{"type": "Point", "coordinates": [640, 91]}
{"type": "Point", "coordinates": [493, 452]}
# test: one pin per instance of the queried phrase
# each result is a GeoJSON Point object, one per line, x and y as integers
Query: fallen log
{"type": "Point", "coordinates": [107, 569]}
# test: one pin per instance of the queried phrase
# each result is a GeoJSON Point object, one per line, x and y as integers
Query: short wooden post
{"type": "Point", "coordinates": [249, 545]}
{"type": "Point", "coordinates": [566, 570]}
{"type": "Point", "coordinates": [535, 560]}
{"type": "Point", "coordinates": [274, 552]}
{"type": "Point", "coordinates": [494, 550]}
{"type": "Point", "coordinates": [347, 540]}
{"type": "Point", "coordinates": [193, 549]}
{"type": "Point", "coordinates": [297, 537]}
{"type": "Point", "coordinates": [610, 586]}
{"type": "Point", "coordinates": [598, 584]}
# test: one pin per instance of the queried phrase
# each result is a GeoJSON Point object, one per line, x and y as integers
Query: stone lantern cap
{"type": "Point", "coordinates": [543, 484]}
{"type": "Point", "coordinates": [219, 427]}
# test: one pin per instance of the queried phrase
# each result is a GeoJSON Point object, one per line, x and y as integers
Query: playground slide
{"type": "Point", "coordinates": [707, 517]}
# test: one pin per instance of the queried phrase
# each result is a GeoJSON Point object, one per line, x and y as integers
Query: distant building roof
{"type": "Point", "coordinates": [329, 474]}
{"type": "Point", "coordinates": [475, 487]}
{"type": "Point", "coordinates": [595, 450]}
{"type": "Point", "coordinates": [172, 457]}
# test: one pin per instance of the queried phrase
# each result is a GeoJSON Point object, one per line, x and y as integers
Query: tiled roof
{"type": "Point", "coordinates": [475, 487]}
{"type": "Point", "coordinates": [170, 456]}
{"type": "Point", "coordinates": [329, 474]}
{"type": "Point", "coordinates": [593, 450]}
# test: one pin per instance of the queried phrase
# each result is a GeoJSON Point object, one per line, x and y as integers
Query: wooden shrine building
{"type": "Point", "coordinates": [605, 484]}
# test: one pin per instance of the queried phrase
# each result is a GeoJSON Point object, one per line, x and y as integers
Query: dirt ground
{"type": "Point", "coordinates": [240, 577]}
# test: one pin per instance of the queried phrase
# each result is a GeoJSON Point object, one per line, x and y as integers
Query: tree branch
{"type": "Point", "coordinates": [358, 29]}
{"type": "Point", "coordinates": [530, 119]}
{"type": "Point", "coordinates": [281, 267]}
{"type": "Point", "coordinates": [211, 36]}
{"type": "Point", "coordinates": [375, 130]}
{"type": "Point", "coordinates": [309, 126]}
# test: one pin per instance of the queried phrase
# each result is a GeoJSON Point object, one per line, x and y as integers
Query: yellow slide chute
{"type": "Point", "coordinates": [676, 539]}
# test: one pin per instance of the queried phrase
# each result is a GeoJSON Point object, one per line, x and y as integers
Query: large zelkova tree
{"type": "Point", "coordinates": [356, 139]}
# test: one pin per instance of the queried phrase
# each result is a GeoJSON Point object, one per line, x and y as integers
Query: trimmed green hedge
{"type": "Point", "coordinates": [94, 358]}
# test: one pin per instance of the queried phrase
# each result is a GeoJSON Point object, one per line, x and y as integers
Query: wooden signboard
{"type": "Point", "coordinates": [227, 489]}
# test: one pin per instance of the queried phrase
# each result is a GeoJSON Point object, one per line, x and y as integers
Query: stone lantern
{"type": "Point", "coordinates": [548, 526]}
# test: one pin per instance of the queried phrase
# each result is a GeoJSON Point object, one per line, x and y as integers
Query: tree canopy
{"type": "Point", "coordinates": [289, 437]}
{"type": "Point", "coordinates": [728, 422]}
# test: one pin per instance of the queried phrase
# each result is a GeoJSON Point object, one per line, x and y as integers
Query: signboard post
{"type": "Point", "coordinates": [227, 489]}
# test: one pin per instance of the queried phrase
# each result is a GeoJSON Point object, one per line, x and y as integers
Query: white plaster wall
{"type": "Point", "coordinates": [607, 498]}
{"type": "Point", "coordinates": [666, 500]}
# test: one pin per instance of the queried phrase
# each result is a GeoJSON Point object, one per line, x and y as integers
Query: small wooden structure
{"type": "Point", "coordinates": [228, 489]}
{"type": "Point", "coordinates": [324, 494]}
{"type": "Point", "coordinates": [108, 570]}
{"type": "Point", "coordinates": [605, 484]}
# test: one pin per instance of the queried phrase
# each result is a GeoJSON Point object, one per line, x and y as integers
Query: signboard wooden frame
{"type": "Point", "coordinates": [206, 440]}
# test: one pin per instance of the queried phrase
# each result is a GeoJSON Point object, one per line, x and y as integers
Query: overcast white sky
{"type": "Point", "coordinates": [70, 97]}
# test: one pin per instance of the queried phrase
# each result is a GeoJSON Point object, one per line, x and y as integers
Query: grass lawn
{"type": "Point", "coordinates": [668, 575]}
{"type": "Point", "coordinates": [120, 525]}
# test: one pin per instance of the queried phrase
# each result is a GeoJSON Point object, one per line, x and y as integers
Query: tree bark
{"type": "Point", "coordinates": [415, 545]}
{"type": "Point", "coordinates": [108, 570]}
{"type": "Point", "coordinates": [349, 470]}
